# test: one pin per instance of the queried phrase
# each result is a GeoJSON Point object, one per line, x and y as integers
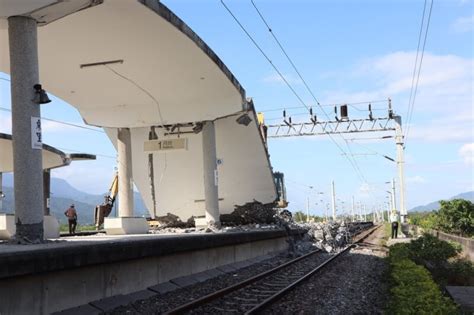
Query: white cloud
{"type": "Point", "coordinates": [5, 124]}
{"type": "Point", "coordinates": [416, 179]}
{"type": "Point", "coordinates": [463, 24]}
{"type": "Point", "coordinates": [467, 153]}
{"type": "Point", "coordinates": [276, 78]}
{"type": "Point", "coordinates": [443, 109]}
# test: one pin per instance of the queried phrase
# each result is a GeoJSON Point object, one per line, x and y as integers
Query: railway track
{"type": "Point", "coordinates": [256, 293]}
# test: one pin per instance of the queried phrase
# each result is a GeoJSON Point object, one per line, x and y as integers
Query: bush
{"type": "Point", "coordinates": [427, 249]}
{"type": "Point", "coordinates": [456, 216]}
{"type": "Point", "coordinates": [414, 291]}
{"type": "Point", "coordinates": [430, 249]}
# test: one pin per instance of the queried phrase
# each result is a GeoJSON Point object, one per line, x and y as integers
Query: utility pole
{"type": "Point", "coordinates": [400, 165]}
{"type": "Point", "coordinates": [394, 202]}
{"type": "Point", "coordinates": [365, 214]}
{"type": "Point", "coordinates": [333, 201]}
{"type": "Point", "coordinates": [352, 211]}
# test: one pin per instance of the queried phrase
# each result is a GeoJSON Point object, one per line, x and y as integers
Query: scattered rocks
{"type": "Point", "coordinates": [332, 236]}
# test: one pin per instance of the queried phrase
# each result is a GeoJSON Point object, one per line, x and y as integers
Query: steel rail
{"type": "Point", "coordinates": [285, 290]}
{"type": "Point", "coordinates": [220, 293]}
{"type": "Point", "coordinates": [214, 295]}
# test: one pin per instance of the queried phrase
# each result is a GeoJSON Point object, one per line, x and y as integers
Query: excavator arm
{"type": "Point", "coordinates": [103, 210]}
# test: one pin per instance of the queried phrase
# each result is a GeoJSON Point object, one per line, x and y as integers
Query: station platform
{"type": "Point", "coordinates": [73, 271]}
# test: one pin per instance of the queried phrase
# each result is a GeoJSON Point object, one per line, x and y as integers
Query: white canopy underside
{"type": "Point", "coordinates": [164, 73]}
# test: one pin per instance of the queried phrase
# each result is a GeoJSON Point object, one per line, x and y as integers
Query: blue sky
{"type": "Point", "coordinates": [347, 51]}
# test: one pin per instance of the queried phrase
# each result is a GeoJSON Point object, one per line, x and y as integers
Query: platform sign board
{"type": "Point", "coordinates": [36, 137]}
{"type": "Point", "coordinates": [166, 145]}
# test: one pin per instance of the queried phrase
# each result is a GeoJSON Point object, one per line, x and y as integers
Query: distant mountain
{"type": "Point", "coordinates": [63, 195]}
{"type": "Point", "coordinates": [435, 204]}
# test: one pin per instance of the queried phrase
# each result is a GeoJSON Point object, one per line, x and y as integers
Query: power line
{"type": "Point", "coordinates": [352, 162]}
{"type": "Point", "coordinates": [419, 71]}
{"type": "Point", "coordinates": [416, 59]}
{"type": "Point", "coordinates": [265, 55]}
{"type": "Point", "coordinates": [285, 53]}
{"type": "Point", "coordinates": [60, 122]}
{"type": "Point", "coordinates": [360, 175]}
{"type": "Point", "coordinates": [332, 105]}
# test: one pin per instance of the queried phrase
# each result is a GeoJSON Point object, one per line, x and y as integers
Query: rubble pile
{"type": "Point", "coordinates": [330, 236]}
{"type": "Point", "coordinates": [250, 213]}
{"type": "Point", "coordinates": [173, 221]}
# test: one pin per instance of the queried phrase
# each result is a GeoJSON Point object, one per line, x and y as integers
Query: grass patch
{"type": "Point", "coordinates": [418, 270]}
{"type": "Point", "coordinates": [413, 291]}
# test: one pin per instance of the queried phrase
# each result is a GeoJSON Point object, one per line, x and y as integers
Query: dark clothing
{"type": "Point", "coordinates": [72, 226]}
{"type": "Point", "coordinates": [394, 229]}
{"type": "Point", "coordinates": [71, 215]}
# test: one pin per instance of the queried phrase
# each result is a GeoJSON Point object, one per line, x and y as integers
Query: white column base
{"type": "Point", "coordinates": [51, 227]}
{"type": "Point", "coordinates": [126, 225]}
{"type": "Point", "coordinates": [8, 227]}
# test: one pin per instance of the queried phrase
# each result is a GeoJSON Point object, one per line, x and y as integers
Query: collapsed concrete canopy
{"type": "Point", "coordinates": [132, 63]}
{"type": "Point", "coordinates": [52, 157]}
{"type": "Point", "coordinates": [171, 180]}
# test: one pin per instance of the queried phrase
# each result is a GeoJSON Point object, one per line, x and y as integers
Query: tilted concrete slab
{"type": "Point", "coordinates": [163, 72]}
{"type": "Point", "coordinates": [244, 172]}
{"type": "Point", "coordinates": [52, 157]}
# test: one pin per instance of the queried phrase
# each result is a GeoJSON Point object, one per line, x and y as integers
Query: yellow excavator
{"type": "Point", "coordinates": [103, 210]}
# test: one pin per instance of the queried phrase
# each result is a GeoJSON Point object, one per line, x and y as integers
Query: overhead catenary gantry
{"type": "Point", "coordinates": [342, 124]}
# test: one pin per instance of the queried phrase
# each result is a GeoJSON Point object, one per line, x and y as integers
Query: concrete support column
{"type": "Point", "coordinates": [46, 191]}
{"type": "Point", "coordinates": [125, 182]}
{"type": "Point", "coordinates": [333, 189]}
{"type": "Point", "coordinates": [210, 174]}
{"type": "Point", "coordinates": [27, 161]}
{"type": "Point", "coordinates": [400, 165]}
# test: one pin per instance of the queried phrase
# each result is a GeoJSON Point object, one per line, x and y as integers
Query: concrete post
{"type": "Point", "coordinates": [394, 202]}
{"type": "Point", "coordinates": [210, 174]}
{"type": "Point", "coordinates": [46, 191]}
{"type": "Point", "coordinates": [352, 211]}
{"type": "Point", "coordinates": [333, 201]}
{"type": "Point", "coordinates": [125, 182]}
{"type": "Point", "coordinates": [400, 165]}
{"type": "Point", "coordinates": [27, 159]}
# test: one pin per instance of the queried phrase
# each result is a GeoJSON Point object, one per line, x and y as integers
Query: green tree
{"type": "Point", "coordinates": [456, 216]}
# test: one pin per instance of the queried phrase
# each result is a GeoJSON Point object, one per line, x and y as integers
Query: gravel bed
{"type": "Point", "coordinates": [164, 302]}
{"type": "Point", "coordinates": [244, 299]}
{"type": "Point", "coordinates": [353, 284]}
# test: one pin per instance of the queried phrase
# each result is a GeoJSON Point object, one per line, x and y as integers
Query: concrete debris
{"type": "Point", "coordinates": [250, 213]}
{"type": "Point", "coordinates": [173, 221]}
{"type": "Point", "coordinates": [332, 236]}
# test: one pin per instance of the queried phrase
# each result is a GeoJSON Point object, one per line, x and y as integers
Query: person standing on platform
{"type": "Point", "coordinates": [71, 215]}
{"type": "Point", "coordinates": [394, 221]}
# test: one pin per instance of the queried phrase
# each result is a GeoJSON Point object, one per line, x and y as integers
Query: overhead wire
{"type": "Point", "coordinates": [418, 75]}
{"type": "Point", "coordinates": [352, 162]}
{"type": "Point", "coordinates": [332, 105]}
{"type": "Point", "coordinates": [60, 122]}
